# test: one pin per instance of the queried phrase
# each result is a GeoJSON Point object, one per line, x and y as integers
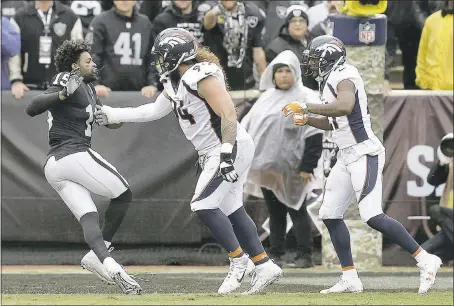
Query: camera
{"type": "Point", "coordinates": [447, 145]}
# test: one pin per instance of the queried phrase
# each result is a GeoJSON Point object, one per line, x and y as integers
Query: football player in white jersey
{"type": "Point", "coordinates": [195, 89]}
{"type": "Point", "coordinates": [360, 162]}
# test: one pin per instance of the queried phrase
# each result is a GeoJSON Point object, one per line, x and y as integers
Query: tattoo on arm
{"type": "Point", "coordinates": [228, 130]}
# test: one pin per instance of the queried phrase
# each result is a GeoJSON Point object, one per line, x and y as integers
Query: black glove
{"type": "Point", "coordinates": [226, 167]}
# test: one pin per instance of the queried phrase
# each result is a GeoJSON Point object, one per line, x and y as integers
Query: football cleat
{"type": "Point", "coordinates": [352, 285]}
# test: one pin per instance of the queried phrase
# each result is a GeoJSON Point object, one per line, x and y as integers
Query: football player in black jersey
{"type": "Point", "coordinates": [73, 169]}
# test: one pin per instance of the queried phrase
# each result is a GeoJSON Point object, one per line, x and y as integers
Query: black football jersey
{"type": "Point", "coordinates": [71, 121]}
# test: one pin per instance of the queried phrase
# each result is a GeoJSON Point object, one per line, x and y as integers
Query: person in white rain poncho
{"type": "Point", "coordinates": [285, 157]}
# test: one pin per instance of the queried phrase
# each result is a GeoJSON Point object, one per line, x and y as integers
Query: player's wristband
{"type": "Point", "coordinates": [226, 151]}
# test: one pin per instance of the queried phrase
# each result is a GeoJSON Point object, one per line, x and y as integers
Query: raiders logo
{"type": "Point", "coordinates": [252, 21]}
{"type": "Point", "coordinates": [281, 11]}
{"type": "Point", "coordinates": [60, 29]}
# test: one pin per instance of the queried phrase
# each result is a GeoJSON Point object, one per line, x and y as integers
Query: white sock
{"type": "Point", "coordinates": [352, 273]}
{"type": "Point", "coordinates": [422, 255]}
{"type": "Point", "coordinates": [107, 243]}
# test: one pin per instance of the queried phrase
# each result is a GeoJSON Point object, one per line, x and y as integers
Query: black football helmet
{"type": "Point", "coordinates": [172, 47]}
{"type": "Point", "coordinates": [323, 55]}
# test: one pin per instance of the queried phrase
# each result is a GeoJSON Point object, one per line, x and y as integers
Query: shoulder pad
{"type": "Point", "coordinates": [344, 72]}
{"type": "Point", "coordinates": [200, 71]}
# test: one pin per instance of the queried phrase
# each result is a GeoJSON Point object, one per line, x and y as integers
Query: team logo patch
{"type": "Point", "coordinates": [281, 11]}
{"type": "Point", "coordinates": [252, 21]}
{"type": "Point", "coordinates": [172, 41]}
{"type": "Point", "coordinates": [60, 28]}
{"type": "Point", "coordinates": [367, 33]}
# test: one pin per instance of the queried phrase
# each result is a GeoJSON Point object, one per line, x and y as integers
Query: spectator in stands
{"type": "Point", "coordinates": [293, 36]}
{"type": "Point", "coordinates": [10, 47]}
{"type": "Point", "coordinates": [186, 14]}
{"type": "Point", "coordinates": [405, 22]}
{"type": "Point", "coordinates": [235, 36]}
{"type": "Point", "coordinates": [43, 25]}
{"type": "Point", "coordinates": [276, 12]}
{"type": "Point", "coordinates": [285, 157]}
{"type": "Point", "coordinates": [319, 13]}
{"type": "Point", "coordinates": [434, 69]}
{"type": "Point", "coordinates": [10, 7]}
{"type": "Point", "coordinates": [319, 28]}
{"type": "Point", "coordinates": [121, 41]}
{"type": "Point", "coordinates": [86, 10]}
{"type": "Point", "coordinates": [442, 244]}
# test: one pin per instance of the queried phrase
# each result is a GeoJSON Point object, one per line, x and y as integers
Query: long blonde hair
{"type": "Point", "coordinates": [204, 54]}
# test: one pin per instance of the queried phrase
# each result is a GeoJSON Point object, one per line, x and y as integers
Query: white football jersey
{"type": "Point", "coordinates": [356, 127]}
{"type": "Point", "coordinates": [199, 122]}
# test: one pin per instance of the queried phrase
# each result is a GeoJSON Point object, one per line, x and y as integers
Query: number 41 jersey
{"type": "Point", "coordinates": [200, 124]}
{"type": "Point", "coordinates": [70, 122]}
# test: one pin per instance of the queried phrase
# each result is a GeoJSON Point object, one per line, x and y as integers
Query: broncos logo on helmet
{"type": "Point", "coordinates": [322, 55]}
{"type": "Point", "coordinates": [172, 47]}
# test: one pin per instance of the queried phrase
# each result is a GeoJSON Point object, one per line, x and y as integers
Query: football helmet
{"type": "Point", "coordinates": [323, 55]}
{"type": "Point", "coordinates": [172, 47]}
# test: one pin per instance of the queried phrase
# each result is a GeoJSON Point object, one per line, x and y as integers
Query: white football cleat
{"type": "Point", "coordinates": [263, 276]}
{"type": "Point", "coordinates": [427, 272]}
{"type": "Point", "coordinates": [127, 284]}
{"type": "Point", "coordinates": [237, 271]}
{"type": "Point", "coordinates": [92, 263]}
{"type": "Point", "coordinates": [350, 284]}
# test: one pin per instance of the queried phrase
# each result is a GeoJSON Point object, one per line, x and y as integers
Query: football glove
{"type": "Point", "coordinates": [226, 167]}
{"type": "Point", "coordinates": [73, 83]}
{"type": "Point", "coordinates": [300, 119]}
{"type": "Point", "coordinates": [295, 108]}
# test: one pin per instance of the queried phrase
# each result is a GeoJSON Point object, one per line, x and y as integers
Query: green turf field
{"type": "Point", "coordinates": [376, 298]}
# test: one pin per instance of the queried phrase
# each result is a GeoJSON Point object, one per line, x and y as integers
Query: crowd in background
{"type": "Point", "coordinates": [245, 35]}
{"type": "Point", "coordinates": [236, 31]}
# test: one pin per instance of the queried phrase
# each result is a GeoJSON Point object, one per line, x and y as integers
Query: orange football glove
{"type": "Point", "coordinates": [292, 108]}
{"type": "Point", "coordinates": [300, 119]}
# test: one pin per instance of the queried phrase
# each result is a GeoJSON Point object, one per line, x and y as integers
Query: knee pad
{"type": "Point", "coordinates": [125, 196]}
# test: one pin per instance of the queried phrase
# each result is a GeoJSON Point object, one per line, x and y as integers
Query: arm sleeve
{"type": "Point", "coordinates": [144, 113]}
{"type": "Point", "coordinates": [258, 35]}
{"type": "Point", "coordinates": [438, 175]}
{"type": "Point", "coordinates": [98, 33]}
{"type": "Point", "coordinates": [14, 63]}
{"type": "Point", "coordinates": [312, 152]}
{"type": "Point", "coordinates": [44, 101]}
{"type": "Point", "coordinates": [77, 31]}
{"type": "Point", "coordinates": [10, 39]}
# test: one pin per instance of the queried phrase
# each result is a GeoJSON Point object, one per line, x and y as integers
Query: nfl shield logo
{"type": "Point", "coordinates": [367, 33]}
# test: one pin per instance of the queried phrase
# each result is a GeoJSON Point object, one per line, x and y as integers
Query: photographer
{"type": "Point", "coordinates": [442, 244]}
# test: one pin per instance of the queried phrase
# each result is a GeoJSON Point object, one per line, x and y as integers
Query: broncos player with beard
{"type": "Point", "coordinates": [360, 161]}
{"type": "Point", "coordinates": [73, 169]}
{"type": "Point", "coordinates": [195, 89]}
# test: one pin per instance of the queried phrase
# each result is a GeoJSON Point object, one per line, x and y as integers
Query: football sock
{"type": "Point", "coordinates": [93, 236]}
{"type": "Point", "coordinates": [395, 231]}
{"type": "Point", "coordinates": [340, 237]}
{"type": "Point", "coordinates": [246, 233]}
{"type": "Point", "coordinates": [115, 214]}
{"type": "Point", "coordinates": [221, 229]}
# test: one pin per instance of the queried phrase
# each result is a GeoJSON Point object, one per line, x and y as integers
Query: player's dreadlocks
{"type": "Point", "coordinates": [69, 53]}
